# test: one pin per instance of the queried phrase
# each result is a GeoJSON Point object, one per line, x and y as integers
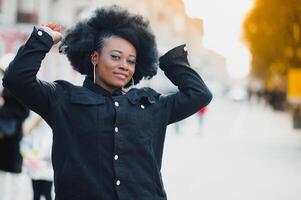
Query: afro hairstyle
{"type": "Point", "coordinates": [87, 36]}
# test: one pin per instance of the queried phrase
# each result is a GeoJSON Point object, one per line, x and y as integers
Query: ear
{"type": "Point", "coordinates": [94, 57]}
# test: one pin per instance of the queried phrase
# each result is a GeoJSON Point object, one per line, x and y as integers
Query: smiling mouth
{"type": "Point", "coordinates": [121, 76]}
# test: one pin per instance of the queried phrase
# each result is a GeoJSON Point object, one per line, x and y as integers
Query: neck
{"type": "Point", "coordinates": [105, 86]}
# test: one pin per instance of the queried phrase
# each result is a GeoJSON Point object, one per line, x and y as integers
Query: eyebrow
{"type": "Point", "coordinates": [122, 52]}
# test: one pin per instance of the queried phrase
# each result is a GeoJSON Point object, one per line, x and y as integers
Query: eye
{"type": "Point", "coordinates": [115, 57]}
{"type": "Point", "coordinates": [132, 62]}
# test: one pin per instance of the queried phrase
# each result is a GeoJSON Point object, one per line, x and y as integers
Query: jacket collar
{"type": "Point", "coordinates": [143, 96]}
{"type": "Point", "coordinates": [88, 83]}
{"type": "Point", "coordinates": [95, 93]}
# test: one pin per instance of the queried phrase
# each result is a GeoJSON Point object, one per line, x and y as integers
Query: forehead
{"type": "Point", "coordinates": [119, 44]}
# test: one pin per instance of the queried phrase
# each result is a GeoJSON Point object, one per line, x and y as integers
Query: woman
{"type": "Point", "coordinates": [107, 143]}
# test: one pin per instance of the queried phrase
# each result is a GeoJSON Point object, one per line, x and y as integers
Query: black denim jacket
{"type": "Point", "coordinates": [106, 146]}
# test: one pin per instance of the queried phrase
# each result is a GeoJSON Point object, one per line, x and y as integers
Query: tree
{"type": "Point", "coordinates": [271, 31]}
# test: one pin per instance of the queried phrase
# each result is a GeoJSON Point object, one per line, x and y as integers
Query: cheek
{"type": "Point", "coordinates": [106, 67]}
{"type": "Point", "coordinates": [103, 72]}
{"type": "Point", "coordinates": [111, 63]}
{"type": "Point", "coordinates": [132, 70]}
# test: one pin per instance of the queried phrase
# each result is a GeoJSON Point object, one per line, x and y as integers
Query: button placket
{"type": "Point", "coordinates": [116, 130]}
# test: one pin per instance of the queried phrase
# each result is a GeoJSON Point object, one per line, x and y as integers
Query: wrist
{"type": "Point", "coordinates": [169, 58]}
{"type": "Point", "coordinates": [42, 36]}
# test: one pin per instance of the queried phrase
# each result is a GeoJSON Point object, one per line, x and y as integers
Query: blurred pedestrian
{"type": "Point", "coordinates": [36, 150]}
{"type": "Point", "coordinates": [201, 114]}
{"type": "Point", "coordinates": [12, 115]}
{"type": "Point", "coordinates": [107, 140]}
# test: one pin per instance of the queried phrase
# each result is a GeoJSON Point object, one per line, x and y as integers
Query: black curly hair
{"type": "Point", "coordinates": [90, 35]}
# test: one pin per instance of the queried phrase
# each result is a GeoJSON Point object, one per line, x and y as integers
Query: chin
{"type": "Point", "coordinates": [119, 84]}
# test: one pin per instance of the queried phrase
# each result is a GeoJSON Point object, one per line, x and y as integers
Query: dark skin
{"type": "Point", "coordinates": [114, 63]}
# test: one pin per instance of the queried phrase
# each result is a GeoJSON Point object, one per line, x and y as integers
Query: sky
{"type": "Point", "coordinates": [222, 30]}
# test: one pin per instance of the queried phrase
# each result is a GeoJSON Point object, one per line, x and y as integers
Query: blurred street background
{"type": "Point", "coordinates": [246, 144]}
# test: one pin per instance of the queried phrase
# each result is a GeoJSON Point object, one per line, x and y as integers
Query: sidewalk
{"type": "Point", "coordinates": [243, 152]}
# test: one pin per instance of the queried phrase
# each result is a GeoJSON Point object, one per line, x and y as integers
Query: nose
{"type": "Point", "coordinates": [124, 65]}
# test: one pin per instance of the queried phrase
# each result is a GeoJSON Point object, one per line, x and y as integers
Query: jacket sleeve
{"type": "Point", "coordinates": [20, 77]}
{"type": "Point", "coordinates": [193, 94]}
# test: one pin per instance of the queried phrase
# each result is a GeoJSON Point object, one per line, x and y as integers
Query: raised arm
{"type": "Point", "coordinates": [193, 93]}
{"type": "Point", "coordinates": [20, 77]}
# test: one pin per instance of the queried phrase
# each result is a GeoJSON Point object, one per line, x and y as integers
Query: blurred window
{"type": "Point", "coordinates": [179, 22]}
{"type": "Point", "coordinates": [161, 17]}
{"type": "Point", "coordinates": [27, 11]}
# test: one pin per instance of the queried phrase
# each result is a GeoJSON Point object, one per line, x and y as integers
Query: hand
{"type": "Point", "coordinates": [54, 30]}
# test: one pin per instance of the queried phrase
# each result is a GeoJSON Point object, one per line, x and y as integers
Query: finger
{"type": "Point", "coordinates": [51, 25]}
{"type": "Point", "coordinates": [57, 28]}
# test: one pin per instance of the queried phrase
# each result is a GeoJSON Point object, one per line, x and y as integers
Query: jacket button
{"type": "Point", "coordinates": [116, 104]}
{"type": "Point", "coordinates": [40, 33]}
{"type": "Point", "coordinates": [116, 130]}
{"type": "Point", "coordinates": [142, 106]}
{"type": "Point", "coordinates": [118, 182]}
{"type": "Point", "coordinates": [116, 157]}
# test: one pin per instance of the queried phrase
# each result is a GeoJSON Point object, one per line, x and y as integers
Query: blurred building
{"type": "Point", "coordinates": [172, 26]}
{"type": "Point", "coordinates": [215, 72]}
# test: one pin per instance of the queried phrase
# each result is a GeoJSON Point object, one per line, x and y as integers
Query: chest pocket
{"type": "Point", "coordinates": [85, 111]}
{"type": "Point", "coordinates": [142, 112]}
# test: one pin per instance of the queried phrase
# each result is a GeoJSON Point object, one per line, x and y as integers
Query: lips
{"type": "Point", "coordinates": [121, 75]}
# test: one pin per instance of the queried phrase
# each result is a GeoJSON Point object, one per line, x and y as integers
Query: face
{"type": "Point", "coordinates": [115, 63]}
